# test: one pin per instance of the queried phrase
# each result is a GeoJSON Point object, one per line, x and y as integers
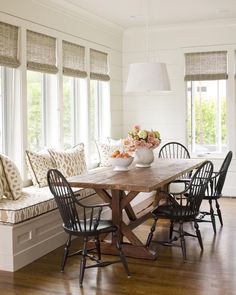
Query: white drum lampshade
{"type": "Point", "coordinates": [144, 77]}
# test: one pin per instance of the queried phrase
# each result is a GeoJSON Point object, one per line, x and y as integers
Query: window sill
{"type": "Point", "coordinates": [208, 155]}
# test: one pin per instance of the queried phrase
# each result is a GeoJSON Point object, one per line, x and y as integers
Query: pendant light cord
{"type": "Point", "coordinates": [147, 30]}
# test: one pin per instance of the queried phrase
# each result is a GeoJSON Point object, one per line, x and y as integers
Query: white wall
{"type": "Point", "coordinates": [166, 112]}
{"type": "Point", "coordinates": [94, 33]}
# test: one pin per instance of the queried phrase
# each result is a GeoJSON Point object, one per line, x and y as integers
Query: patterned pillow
{"type": "Point", "coordinates": [38, 165]}
{"type": "Point", "coordinates": [10, 178]}
{"type": "Point", "coordinates": [70, 162]}
{"type": "Point", "coordinates": [105, 150]}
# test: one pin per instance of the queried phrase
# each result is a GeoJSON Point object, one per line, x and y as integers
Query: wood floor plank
{"type": "Point", "coordinates": [212, 272]}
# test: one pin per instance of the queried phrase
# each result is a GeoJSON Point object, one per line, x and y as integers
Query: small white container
{"type": "Point", "coordinates": [121, 164]}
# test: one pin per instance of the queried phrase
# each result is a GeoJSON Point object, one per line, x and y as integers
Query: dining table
{"type": "Point", "coordinates": [119, 188]}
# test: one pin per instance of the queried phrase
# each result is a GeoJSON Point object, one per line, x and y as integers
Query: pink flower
{"type": "Point", "coordinates": [136, 129]}
{"type": "Point", "coordinates": [138, 137]}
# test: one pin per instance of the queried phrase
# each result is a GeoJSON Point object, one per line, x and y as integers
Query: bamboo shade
{"type": "Point", "coordinates": [9, 45]}
{"type": "Point", "coordinates": [99, 65]}
{"type": "Point", "coordinates": [41, 53]}
{"type": "Point", "coordinates": [206, 66]}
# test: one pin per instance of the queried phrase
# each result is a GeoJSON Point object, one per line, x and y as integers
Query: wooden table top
{"type": "Point", "coordinates": [160, 173]}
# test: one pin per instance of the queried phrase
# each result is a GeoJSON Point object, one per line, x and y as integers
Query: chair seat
{"type": "Point", "coordinates": [105, 226]}
{"type": "Point", "coordinates": [172, 212]}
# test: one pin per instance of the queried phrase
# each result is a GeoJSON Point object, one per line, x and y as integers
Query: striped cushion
{"type": "Point", "coordinates": [33, 202]}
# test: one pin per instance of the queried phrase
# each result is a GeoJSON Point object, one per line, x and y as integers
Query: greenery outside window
{"type": "Point", "coordinates": [207, 131]}
{"type": "Point", "coordinates": [36, 113]}
{"type": "Point", "coordinates": [74, 111]}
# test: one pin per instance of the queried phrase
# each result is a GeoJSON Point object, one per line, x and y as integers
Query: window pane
{"type": "Point", "coordinates": [99, 114]}
{"type": "Point", "coordinates": [35, 110]}
{"type": "Point", "coordinates": [68, 107]}
{"type": "Point", "coordinates": [1, 108]}
{"type": "Point", "coordinates": [93, 117]}
{"type": "Point", "coordinates": [207, 116]}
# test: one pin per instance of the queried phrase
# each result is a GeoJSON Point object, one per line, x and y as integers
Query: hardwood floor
{"type": "Point", "coordinates": [207, 273]}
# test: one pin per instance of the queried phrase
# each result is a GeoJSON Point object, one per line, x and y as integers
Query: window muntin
{"type": "Point", "coordinates": [207, 130]}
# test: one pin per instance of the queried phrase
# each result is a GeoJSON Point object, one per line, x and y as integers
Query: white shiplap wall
{"type": "Point", "coordinates": [166, 112]}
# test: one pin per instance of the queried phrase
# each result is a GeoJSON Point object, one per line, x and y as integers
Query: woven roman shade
{"type": "Point", "coordinates": [99, 66]}
{"type": "Point", "coordinates": [41, 53]}
{"type": "Point", "coordinates": [9, 45]}
{"type": "Point", "coordinates": [206, 66]}
{"type": "Point", "coordinates": [73, 60]}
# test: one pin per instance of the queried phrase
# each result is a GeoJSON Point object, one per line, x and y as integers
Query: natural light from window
{"type": "Point", "coordinates": [207, 116]}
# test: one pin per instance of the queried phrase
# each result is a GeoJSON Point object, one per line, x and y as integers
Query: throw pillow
{"type": "Point", "coordinates": [105, 150]}
{"type": "Point", "coordinates": [10, 178]}
{"type": "Point", "coordinates": [38, 166]}
{"type": "Point", "coordinates": [70, 162]}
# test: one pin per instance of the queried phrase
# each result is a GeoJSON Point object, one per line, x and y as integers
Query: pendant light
{"type": "Point", "coordinates": [147, 76]}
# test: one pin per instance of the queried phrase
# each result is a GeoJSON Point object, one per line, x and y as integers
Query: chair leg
{"type": "Point", "coordinates": [198, 233]}
{"type": "Point", "coordinates": [219, 213]}
{"type": "Point", "coordinates": [182, 240]}
{"type": "Point", "coordinates": [171, 229]}
{"type": "Point", "coordinates": [121, 254]}
{"type": "Point", "coordinates": [150, 236]}
{"type": "Point", "coordinates": [66, 252]}
{"type": "Point", "coordinates": [83, 262]}
{"type": "Point", "coordinates": [212, 216]}
{"type": "Point", "coordinates": [97, 243]}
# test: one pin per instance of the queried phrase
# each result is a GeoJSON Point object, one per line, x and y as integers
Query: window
{"type": "Point", "coordinates": [36, 119]}
{"type": "Point", "coordinates": [9, 47]}
{"type": "Point", "coordinates": [41, 61]}
{"type": "Point", "coordinates": [2, 109]}
{"type": "Point", "coordinates": [74, 94]}
{"type": "Point", "coordinates": [207, 116]}
{"type": "Point", "coordinates": [99, 114]}
{"type": "Point", "coordinates": [206, 76]}
{"type": "Point", "coordinates": [74, 110]}
{"type": "Point", "coordinates": [99, 104]}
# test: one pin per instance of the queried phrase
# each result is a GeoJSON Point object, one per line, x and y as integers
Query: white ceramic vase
{"type": "Point", "coordinates": [144, 157]}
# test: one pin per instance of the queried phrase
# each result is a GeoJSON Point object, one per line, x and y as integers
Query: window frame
{"type": "Point", "coordinates": [191, 145]}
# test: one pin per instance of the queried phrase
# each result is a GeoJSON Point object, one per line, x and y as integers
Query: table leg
{"type": "Point", "coordinates": [135, 248]}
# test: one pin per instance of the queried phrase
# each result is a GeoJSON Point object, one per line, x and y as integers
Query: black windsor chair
{"type": "Point", "coordinates": [214, 192]}
{"type": "Point", "coordinates": [82, 221]}
{"type": "Point", "coordinates": [184, 207]}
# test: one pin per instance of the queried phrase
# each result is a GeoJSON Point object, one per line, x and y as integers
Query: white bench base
{"type": "Point", "coordinates": [25, 242]}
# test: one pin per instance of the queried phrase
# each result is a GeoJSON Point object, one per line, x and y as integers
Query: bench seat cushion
{"type": "Point", "coordinates": [33, 202]}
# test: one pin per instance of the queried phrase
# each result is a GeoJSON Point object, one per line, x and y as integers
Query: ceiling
{"type": "Point", "coordinates": [131, 13]}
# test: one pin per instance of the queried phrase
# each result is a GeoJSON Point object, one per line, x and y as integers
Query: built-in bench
{"type": "Point", "coordinates": [31, 226]}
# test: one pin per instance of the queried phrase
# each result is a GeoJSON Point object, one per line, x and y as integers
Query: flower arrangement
{"type": "Point", "coordinates": [138, 137]}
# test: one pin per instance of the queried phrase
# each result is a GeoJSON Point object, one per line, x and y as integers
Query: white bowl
{"type": "Point", "coordinates": [121, 164]}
